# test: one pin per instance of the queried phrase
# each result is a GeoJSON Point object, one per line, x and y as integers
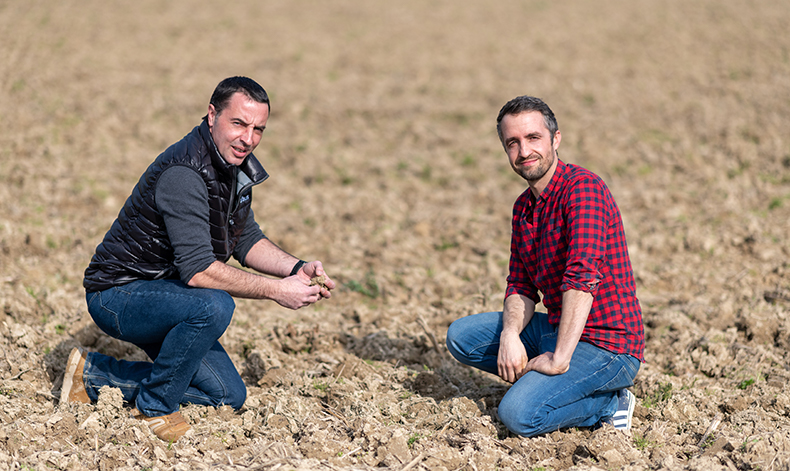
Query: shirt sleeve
{"type": "Point", "coordinates": [518, 280]}
{"type": "Point", "coordinates": [587, 223]}
{"type": "Point", "coordinates": [250, 236]}
{"type": "Point", "coordinates": [182, 199]}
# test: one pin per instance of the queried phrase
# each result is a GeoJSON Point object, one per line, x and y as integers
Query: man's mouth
{"type": "Point", "coordinates": [239, 152]}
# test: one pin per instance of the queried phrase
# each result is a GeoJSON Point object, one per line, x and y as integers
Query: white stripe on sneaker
{"type": "Point", "coordinates": [155, 423]}
{"type": "Point", "coordinates": [622, 418]}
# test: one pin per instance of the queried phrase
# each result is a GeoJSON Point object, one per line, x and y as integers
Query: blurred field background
{"type": "Point", "coordinates": [384, 159]}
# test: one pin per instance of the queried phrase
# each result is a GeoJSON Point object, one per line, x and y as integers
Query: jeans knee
{"type": "Point", "coordinates": [219, 310]}
{"type": "Point", "coordinates": [236, 397]}
{"type": "Point", "coordinates": [507, 414]}
{"type": "Point", "coordinates": [213, 388]}
{"type": "Point", "coordinates": [450, 341]}
{"type": "Point", "coordinates": [234, 393]}
{"type": "Point", "coordinates": [517, 418]}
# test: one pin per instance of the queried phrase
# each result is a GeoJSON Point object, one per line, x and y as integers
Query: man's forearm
{"type": "Point", "coordinates": [266, 257]}
{"type": "Point", "coordinates": [576, 307]}
{"type": "Point", "coordinates": [512, 356]}
{"type": "Point", "coordinates": [517, 314]}
{"type": "Point", "coordinates": [238, 283]}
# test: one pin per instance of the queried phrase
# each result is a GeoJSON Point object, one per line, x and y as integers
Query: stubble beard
{"type": "Point", "coordinates": [532, 175]}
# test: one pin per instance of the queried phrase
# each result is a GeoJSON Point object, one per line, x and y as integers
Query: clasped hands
{"type": "Point", "coordinates": [513, 363]}
{"type": "Point", "coordinates": [297, 291]}
{"type": "Point", "coordinates": [316, 276]}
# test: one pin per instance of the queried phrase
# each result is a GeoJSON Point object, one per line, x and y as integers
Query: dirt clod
{"type": "Point", "coordinates": [318, 280]}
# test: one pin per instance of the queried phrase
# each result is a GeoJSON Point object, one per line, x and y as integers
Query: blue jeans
{"type": "Point", "coordinates": [178, 327]}
{"type": "Point", "coordinates": [539, 403]}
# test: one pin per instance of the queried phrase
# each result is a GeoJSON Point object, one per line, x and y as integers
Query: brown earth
{"type": "Point", "coordinates": [385, 165]}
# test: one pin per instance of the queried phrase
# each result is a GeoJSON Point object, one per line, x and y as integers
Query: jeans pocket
{"type": "Point", "coordinates": [623, 379]}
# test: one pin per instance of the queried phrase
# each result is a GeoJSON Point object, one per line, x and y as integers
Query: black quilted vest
{"type": "Point", "coordinates": [137, 247]}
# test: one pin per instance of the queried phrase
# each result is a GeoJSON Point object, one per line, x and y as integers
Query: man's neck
{"type": "Point", "coordinates": [537, 186]}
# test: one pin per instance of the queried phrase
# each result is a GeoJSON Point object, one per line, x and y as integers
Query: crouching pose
{"type": "Point", "coordinates": [569, 367]}
{"type": "Point", "coordinates": [159, 279]}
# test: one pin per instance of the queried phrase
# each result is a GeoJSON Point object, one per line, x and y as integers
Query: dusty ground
{"type": "Point", "coordinates": [385, 165]}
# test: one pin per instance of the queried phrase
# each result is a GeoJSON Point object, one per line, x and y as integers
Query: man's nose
{"type": "Point", "coordinates": [246, 138]}
{"type": "Point", "coordinates": [524, 150]}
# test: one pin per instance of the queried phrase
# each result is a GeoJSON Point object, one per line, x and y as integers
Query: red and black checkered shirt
{"type": "Point", "coordinates": [572, 237]}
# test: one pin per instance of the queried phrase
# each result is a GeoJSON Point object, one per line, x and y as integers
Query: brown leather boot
{"type": "Point", "coordinates": [169, 427]}
{"type": "Point", "coordinates": [73, 389]}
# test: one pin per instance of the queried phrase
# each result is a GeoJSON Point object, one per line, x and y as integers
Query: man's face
{"type": "Point", "coordinates": [237, 129]}
{"type": "Point", "coordinates": [530, 147]}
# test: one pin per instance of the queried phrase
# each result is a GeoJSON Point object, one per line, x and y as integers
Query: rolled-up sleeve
{"type": "Point", "coordinates": [587, 222]}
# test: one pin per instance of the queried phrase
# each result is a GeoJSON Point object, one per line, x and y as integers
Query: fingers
{"type": "Point", "coordinates": [309, 301]}
{"type": "Point", "coordinates": [545, 364]}
{"type": "Point", "coordinates": [329, 282]}
{"type": "Point", "coordinates": [522, 371]}
{"type": "Point", "coordinates": [314, 268]}
{"type": "Point", "coordinates": [507, 372]}
{"type": "Point", "coordinates": [511, 359]}
{"type": "Point", "coordinates": [316, 290]}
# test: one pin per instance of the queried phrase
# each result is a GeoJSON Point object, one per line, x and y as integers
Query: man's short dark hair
{"type": "Point", "coordinates": [524, 104]}
{"type": "Point", "coordinates": [226, 88]}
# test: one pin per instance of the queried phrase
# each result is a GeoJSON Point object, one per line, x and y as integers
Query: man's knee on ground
{"type": "Point", "coordinates": [235, 391]}
{"type": "Point", "coordinates": [514, 414]}
{"type": "Point", "coordinates": [236, 397]}
{"type": "Point", "coordinates": [228, 391]}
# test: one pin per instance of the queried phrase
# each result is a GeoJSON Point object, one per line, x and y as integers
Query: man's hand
{"type": "Point", "coordinates": [511, 358]}
{"type": "Point", "coordinates": [298, 291]}
{"type": "Point", "coordinates": [295, 292]}
{"type": "Point", "coordinates": [547, 364]}
{"type": "Point", "coordinates": [315, 269]}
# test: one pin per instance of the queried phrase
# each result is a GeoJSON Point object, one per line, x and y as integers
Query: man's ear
{"type": "Point", "coordinates": [557, 139]}
{"type": "Point", "coordinates": [212, 115]}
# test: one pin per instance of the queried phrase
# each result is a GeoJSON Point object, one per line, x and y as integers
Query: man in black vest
{"type": "Point", "coordinates": [159, 279]}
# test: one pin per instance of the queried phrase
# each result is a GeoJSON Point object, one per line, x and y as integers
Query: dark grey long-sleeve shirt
{"type": "Point", "coordinates": [182, 199]}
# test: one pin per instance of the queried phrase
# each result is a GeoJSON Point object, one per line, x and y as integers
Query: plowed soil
{"type": "Point", "coordinates": [385, 165]}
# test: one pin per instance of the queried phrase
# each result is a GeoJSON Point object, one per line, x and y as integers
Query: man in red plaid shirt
{"type": "Point", "coordinates": [569, 367]}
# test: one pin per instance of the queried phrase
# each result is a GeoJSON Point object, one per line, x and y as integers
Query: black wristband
{"type": "Point", "coordinates": [296, 267]}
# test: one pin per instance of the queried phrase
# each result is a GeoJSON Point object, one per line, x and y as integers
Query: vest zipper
{"type": "Point", "coordinates": [231, 210]}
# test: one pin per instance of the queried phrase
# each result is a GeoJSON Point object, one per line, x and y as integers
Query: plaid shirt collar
{"type": "Point", "coordinates": [559, 176]}
{"type": "Point", "coordinates": [560, 173]}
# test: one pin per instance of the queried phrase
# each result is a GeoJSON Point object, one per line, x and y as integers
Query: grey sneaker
{"type": "Point", "coordinates": [625, 410]}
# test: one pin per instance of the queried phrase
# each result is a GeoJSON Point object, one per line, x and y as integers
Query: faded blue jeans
{"type": "Point", "coordinates": [178, 327]}
{"type": "Point", "coordinates": [539, 403]}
